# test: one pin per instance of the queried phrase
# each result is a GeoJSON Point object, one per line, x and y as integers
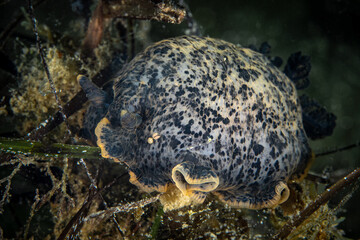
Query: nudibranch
{"type": "Point", "coordinates": [196, 115]}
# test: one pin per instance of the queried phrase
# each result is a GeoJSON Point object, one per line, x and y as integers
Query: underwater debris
{"type": "Point", "coordinates": [75, 224]}
{"type": "Point", "coordinates": [288, 228]}
{"type": "Point", "coordinates": [46, 68]}
{"type": "Point", "coordinates": [164, 11]}
{"type": "Point", "coordinates": [48, 184]}
{"type": "Point", "coordinates": [33, 101]}
{"type": "Point", "coordinates": [39, 149]}
{"type": "Point", "coordinates": [5, 193]}
{"type": "Point", "coordinates": [94, 31]}
{"type": "Point", "coordinates": [6, 33]}
{"type": "Point", "coordinates": [122, 208]}
{"type": "Point", "coordinates": [211, 220]}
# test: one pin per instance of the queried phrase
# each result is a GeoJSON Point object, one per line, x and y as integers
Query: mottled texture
{"type": "Point", "coordinates": [229, 123]}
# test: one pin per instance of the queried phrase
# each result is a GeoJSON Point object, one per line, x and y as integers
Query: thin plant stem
{"type": "Point", "coordinates": [320, 200]}
{"type": "Point", "coordinates": [45, 65]}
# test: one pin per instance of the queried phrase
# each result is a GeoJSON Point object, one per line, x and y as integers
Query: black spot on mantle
{"type": "Point", "coordinates": [258, 149]}
{"type": "Point", "coordinates": [174, 142]}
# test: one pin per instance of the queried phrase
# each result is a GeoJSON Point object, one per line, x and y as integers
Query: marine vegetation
{"type": "Point", "coordinates": [109, 135]}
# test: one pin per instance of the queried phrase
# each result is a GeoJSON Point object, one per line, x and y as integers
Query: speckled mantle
{"type": "Point", "coordinates": [226, 121]}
